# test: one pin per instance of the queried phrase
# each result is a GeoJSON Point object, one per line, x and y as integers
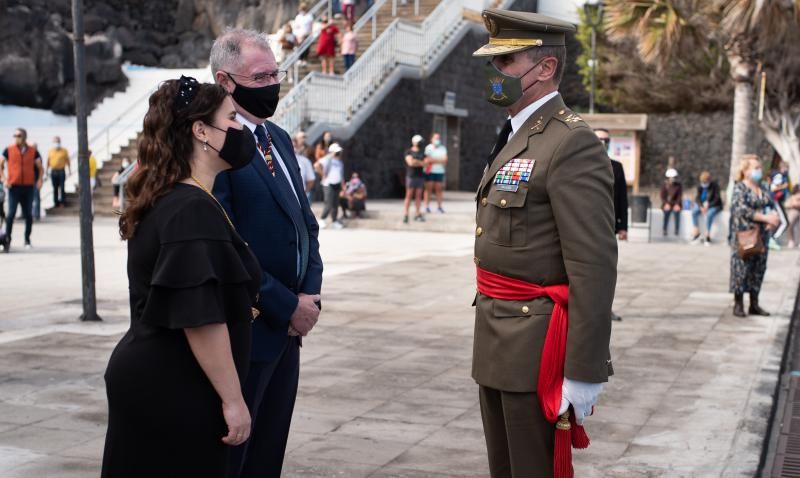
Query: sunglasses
{"type": "Point", "coordinates": [17, 135]}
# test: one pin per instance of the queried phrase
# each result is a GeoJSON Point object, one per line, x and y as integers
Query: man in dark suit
{"type": "Point", "coordinates": [620, 196]}
{"type": "Point", "coordinates": [620, 190]}
{"type": "Point", "coordinates": [270, 211]}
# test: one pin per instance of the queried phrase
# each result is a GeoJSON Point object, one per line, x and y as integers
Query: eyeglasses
{"type": "Point", "coordinates": [272, 77]}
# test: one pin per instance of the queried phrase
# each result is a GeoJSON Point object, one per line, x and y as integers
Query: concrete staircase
{"type": "Point", "coordinates": [103, 194]}
{"type": "Point", "coordinates": [383, 19]}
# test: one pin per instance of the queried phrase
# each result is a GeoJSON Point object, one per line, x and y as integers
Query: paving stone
{"type": "Point", "coordinates": [386, 387]}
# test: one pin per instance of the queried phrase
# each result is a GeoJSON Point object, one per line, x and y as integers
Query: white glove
{"type": "Point", "coordinates": [582, 396]}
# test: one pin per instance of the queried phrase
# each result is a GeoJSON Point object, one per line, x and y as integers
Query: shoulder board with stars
{"type": "Point", "coordinates": [570, 118]}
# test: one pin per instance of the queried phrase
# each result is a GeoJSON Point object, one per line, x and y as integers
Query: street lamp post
{"type": "Point", "coordinates": [594, 17]}
{"type": "Point", "coordinates": [87, 241]}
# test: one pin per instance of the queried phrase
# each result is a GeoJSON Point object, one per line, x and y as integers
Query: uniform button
{"type": "Point", "coordinates": [525, 309]}
{"type": "Point", "coordinates": [484, 202]}
{"type": "Point", "coordinates": [478, 231]}
{"type": "Point", "coordinates": [503, 203]}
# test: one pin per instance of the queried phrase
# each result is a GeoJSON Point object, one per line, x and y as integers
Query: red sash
{"type": "Point", "coordinates": [551, 368]}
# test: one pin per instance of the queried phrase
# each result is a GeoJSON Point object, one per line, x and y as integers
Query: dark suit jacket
{"type": "Point", "coordinates": [260, 212]}
{"type": "Point", "coordinates": [620, 197]}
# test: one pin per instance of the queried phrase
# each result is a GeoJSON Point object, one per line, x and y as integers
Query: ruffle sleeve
{"type": "Point", "coordinates": [198, 271]}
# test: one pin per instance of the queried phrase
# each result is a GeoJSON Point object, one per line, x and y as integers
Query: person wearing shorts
{"type": "Point", "coordinates": [435, 161]}
{"type": "Point", "coordinates": [415, 182]}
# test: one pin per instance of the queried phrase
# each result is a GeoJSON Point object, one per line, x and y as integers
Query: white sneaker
{"type": "Point", "coordinates": [338, 225]}
{"type": "Point", "coordinates": [322, 224]}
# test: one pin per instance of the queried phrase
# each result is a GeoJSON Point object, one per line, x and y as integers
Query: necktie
{"type": "Point", "coordinates": [502, 139]}
{"type": "Point", "coordinates": [264, 143]}
{"type": "Point", "coordinates": [285, 189]}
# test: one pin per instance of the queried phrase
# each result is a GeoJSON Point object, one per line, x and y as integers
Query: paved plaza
{"type": "Point", "coordinates": [385, 387]}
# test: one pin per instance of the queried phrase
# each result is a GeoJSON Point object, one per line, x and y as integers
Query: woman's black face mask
{"type": "Point", "coordinates": [239, 147]}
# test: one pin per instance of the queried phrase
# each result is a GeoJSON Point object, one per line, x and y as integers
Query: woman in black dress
{"type": "Point", "coordinates": [173, 381]}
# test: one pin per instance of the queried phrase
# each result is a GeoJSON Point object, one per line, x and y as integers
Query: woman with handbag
{"type": "Point", "coordinates": [750, 226]}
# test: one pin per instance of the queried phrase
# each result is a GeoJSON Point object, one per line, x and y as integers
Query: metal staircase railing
{"type": "Point", "coordinates": [336, 100]}
{"type": "Point", "coordinates": [115, 134]}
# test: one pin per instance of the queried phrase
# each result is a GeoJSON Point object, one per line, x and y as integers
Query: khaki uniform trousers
{"type": "Point", "coordinates": [519, 439]}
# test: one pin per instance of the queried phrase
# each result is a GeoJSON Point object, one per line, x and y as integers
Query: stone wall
{"type": "Point", "coordinates": [36, 49]}
{"type": "Point", "coordinates": [697, 141]}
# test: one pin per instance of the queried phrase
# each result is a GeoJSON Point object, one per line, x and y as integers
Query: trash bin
{"type": "Point", "coordinates": [639, 207]}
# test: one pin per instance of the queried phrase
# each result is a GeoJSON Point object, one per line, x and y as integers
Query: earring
{"type": "Point", "coordinates": [205, 145]}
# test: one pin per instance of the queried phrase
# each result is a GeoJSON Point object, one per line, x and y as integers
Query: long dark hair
{"type": "Point", "coordinates": [165, 148]}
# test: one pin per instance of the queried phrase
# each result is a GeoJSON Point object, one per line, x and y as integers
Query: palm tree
{"type": "Point", "coordinates": [679, 30]}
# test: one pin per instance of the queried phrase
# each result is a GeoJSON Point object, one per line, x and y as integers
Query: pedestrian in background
{"type": "Point", "coordinates": [287, 40]}
{"type": "Point", "coordinates": [349, 46]}
{"type": "Point", "coordinates": [326, 45]}
{"type": "Point", "coordinates": [353, 197]}
{"type": "Point", "coordinates": [349, 10]}
{"type": "Point", "coordinates": [435, 161]}
{"type": "Point", "coordinates": [415, 180]}
{"type": "Point", "coordinates": [331, 169]}
{"type": "Point", "coordinates": [193, 282]}
{"type": "Point", "coordinates": [58, 167]}
{"type": "Point", "coordinates": [321, 148]}
{"type": "Point", "coordinates": [671, 197]}
{"type": "Point", "coordinates": [708, 203]}
{"type": "Point", "coordinates": [115, 181]}
{"type": "Point", "coordinates": [22, 174]}
{"type": "Point", "coordinates": [302, 28]}
{"type": "Point", "coordinates": [748, 204]}
{"type": "Point", "coordinates": [779, 186]}
{"type": "Point", "coordinates": [306, 168]}
{"type": "Point", "coordinates": [793, 215]}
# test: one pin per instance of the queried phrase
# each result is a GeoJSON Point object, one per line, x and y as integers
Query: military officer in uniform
{"type": "Point", "coordinates": [545, 252]}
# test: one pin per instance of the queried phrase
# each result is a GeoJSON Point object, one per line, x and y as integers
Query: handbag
{"type": "Point", "coordinates": [749, 243]}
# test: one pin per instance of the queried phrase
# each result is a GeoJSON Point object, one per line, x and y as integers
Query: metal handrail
{"type": "Point", "coordinates": [291, 62]}
{"type": "Point", "coordinates": [402, 43]}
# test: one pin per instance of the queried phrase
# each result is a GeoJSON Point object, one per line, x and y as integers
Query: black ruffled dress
{"type": "Point", "coordinates": [187, 267]}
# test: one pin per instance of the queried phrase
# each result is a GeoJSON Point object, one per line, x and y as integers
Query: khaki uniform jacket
{"type": "Point", "coordinates": [557, 228]}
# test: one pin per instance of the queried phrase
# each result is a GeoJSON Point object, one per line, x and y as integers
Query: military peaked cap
{"type": "Point", "coordinates": [510, 31]}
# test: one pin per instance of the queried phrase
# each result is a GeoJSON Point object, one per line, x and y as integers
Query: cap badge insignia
{"type": "Point", "coordinates": [497, 88]}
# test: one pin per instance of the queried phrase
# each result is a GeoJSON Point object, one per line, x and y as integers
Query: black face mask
{"type": "Point", "coordinates": [239, 147]}
{"type": "Point", "coordinates": [259, 102]}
